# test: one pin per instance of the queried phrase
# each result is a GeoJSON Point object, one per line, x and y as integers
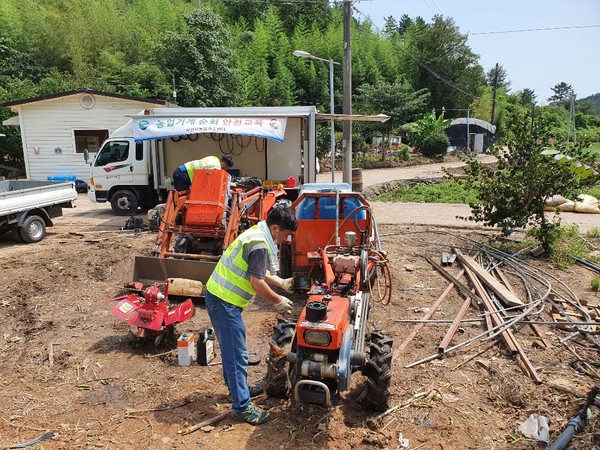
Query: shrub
{"type": "Point", "coordinates": [530, 170]}
{"type": "Point", "coordinates": [435, 144]}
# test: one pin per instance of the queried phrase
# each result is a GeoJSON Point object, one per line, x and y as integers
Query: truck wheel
{"type": "Point", "coordinates": [124, 202]}
{"type": "Point", "coordinates": [33, 229]}
{"type": "Point", "coordinates": [276, 379]}
{"type": "Point", "coordinates": [379, 371]}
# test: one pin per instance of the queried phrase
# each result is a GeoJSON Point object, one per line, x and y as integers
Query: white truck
{"type": "Point", "coordinates": [133, 168]}
{"type": "Point", "coordinates": [28, 207]}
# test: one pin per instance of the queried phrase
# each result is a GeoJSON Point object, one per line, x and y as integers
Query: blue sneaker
{"type": "Point", "coordinates": [251, 415]}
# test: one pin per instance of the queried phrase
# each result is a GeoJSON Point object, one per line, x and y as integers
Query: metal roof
{"type": "Point", "coordinates": [471, 121]}
{"type": "Point", "coordinates": [84, 91]}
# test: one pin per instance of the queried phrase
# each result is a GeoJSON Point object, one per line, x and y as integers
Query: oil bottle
{"type": "Point", "coordinates": [206, 347]}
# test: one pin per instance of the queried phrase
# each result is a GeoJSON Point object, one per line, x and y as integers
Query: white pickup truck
{"type": "Point", "coordinates": [28, 207]}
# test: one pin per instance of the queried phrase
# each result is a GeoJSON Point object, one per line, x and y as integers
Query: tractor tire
{"type": "Point", "coordinates": [285, 261]}
{"type": "Point", "coordinates": [276, 380]}
{"type": "Point", "coordinates": [124, 202]}
{"type": "Point", "coordinates": [379, 372]}
{"type": "Point", "coordinates": [33, 229]}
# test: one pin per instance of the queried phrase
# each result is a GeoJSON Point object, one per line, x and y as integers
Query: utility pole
{"type": "Point", "coordinates": [494, 94]}
{"type": "Point", "coordinates": [571, 118]}
{"type": "Point", "coordinates": [347, 90]}
{"type": "Point", "coordinates": [174, 91]}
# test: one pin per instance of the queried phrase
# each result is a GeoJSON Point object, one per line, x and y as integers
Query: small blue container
{"type": "Point", "coordinates": [72, 178]}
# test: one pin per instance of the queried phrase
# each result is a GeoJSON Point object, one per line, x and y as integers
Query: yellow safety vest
{"type": "Point", "coordinates": [210, 162]}
{"type": "Point", "coordinates": [230, 280]}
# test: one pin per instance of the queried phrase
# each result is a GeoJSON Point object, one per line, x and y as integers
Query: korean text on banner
{"type": "Point", "coordinates": [156, 128]}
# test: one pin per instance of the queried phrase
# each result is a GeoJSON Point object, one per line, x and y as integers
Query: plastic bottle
{"type": "Point", "coordinates": [206, 347]}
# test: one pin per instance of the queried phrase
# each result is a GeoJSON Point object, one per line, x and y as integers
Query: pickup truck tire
{"type": "Point", "coordinates": [124, 202]}
{"type": "Point", "coordinates": [33, 229]}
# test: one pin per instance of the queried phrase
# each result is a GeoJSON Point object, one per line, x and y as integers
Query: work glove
{"type": "Point", "coordinates": [288, 285]}
{"type": "Point", "coordinates": [284, 306]}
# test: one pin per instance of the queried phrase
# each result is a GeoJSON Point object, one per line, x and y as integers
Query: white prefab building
{"type": "Point", "coordinates": [57, 129]}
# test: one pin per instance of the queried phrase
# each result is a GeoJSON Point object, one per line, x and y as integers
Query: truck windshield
{"type": "Point", "coordinates": [112, 152]}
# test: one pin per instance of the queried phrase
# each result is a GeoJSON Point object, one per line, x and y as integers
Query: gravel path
{"type": "Point", "coordinates": [435, 214]}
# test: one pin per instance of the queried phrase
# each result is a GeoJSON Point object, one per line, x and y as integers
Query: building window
{"type": "Point", "coordinates": [89, 139]}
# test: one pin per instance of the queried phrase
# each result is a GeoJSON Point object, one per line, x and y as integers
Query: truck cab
{"type": "Point", "coordinates": [120, 175]}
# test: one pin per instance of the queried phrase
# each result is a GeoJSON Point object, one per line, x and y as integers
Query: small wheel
{"type": "Point", "coordinates": [364, 264]}
{"type": "Point", "coordinates": [124, 202]}
{"type": "Point", "coordinates": [277, 370]}
{"type": "Point", "coordinates": [33, 229]}
{"type": "Point", "coordinates": [379, 371]}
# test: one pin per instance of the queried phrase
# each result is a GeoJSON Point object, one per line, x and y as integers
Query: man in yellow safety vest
{"type": "Point", "coordinates": [184, 174]}
{"type": "Point", "coordinates": [243, 271]}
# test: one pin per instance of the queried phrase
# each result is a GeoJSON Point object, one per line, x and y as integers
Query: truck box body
{"type": "Point", "coordinates": [135, 165]}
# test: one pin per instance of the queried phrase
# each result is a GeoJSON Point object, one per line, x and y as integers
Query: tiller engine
{"type": "Point", "coordinates": [152, 313]}
{"type": "Point", "coordinates": [313, 359]}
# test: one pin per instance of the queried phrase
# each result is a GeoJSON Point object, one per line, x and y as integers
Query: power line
{"type": "Point", "coordinates": [535, 29]}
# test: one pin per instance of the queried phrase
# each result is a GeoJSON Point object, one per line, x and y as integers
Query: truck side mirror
{"type": "Point", "coordinates": [86, 155]}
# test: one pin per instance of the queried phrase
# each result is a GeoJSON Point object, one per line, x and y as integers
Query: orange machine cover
{"type": "Point", "coordinates": [207, 203]}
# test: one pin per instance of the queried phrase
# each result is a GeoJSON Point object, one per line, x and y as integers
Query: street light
{"type": "Point", "coordinates": [302, 54]}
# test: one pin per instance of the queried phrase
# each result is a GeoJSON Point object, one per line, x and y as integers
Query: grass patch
{"type": "Point", "coordinates": [445, 192]}
{"type": "Point", "coordinates": [594, 233]}
{"type": "Point", "coordinates": [566, 245]}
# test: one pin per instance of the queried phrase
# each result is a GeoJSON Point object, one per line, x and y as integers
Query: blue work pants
{"type": "Point", "coordinates": [227, 322]}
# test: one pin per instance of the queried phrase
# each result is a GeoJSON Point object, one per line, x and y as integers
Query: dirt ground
{"type": "Point", "coordinates": [68, 366]}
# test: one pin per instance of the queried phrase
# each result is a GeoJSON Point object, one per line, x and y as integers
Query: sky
{"type": "Point", "coordinates": [537, 60]}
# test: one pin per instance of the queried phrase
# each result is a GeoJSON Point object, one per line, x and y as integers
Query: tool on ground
{"type": "Point", "coordinates": [152, 313]}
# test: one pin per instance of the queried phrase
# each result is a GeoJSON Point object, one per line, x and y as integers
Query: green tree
{"type": "Point", "coordinates": [397, 100]}
{"type": "Point", "coordinates": [514, 194]}
{"type": "Point", "coordinates": [501, 77]}
{"type": "Point", "coordinates": [562, 92]}
{"type": "Point", "coordinates": [200, 60]}
{"type": "Point", "coordinates": [443, 63]}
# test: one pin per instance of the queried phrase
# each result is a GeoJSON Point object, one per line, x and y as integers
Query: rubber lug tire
{"type": "Point", "coordinates": [276, 384]}
{"type": "Point", "coordinates": [378, 369]}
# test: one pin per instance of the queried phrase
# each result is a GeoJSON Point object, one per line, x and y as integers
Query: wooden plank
{"type": "Point", "coordinates": [540, 334]}
{"type": "Point", "coordinates": [507, 335]}
{"type": "Point", "coordinates": [505, 295]}
{"type": "Point", "coordinates": [494, 314]}
{"type": "Point", "coordinates": [536, 328]}
{"type": "Point", "coordinates": [427, 316]}
{"type": "Point", "coordinates": [452, 330]}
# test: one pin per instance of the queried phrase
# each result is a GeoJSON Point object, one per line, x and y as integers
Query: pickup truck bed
{"type": "Point", "coordinates": [27, 207]}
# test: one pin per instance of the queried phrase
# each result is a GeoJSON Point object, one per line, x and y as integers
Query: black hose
{"type": "Point", "coordinates": [588, 264]}
{"type": "Point", "coordinates": [576, 424]}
